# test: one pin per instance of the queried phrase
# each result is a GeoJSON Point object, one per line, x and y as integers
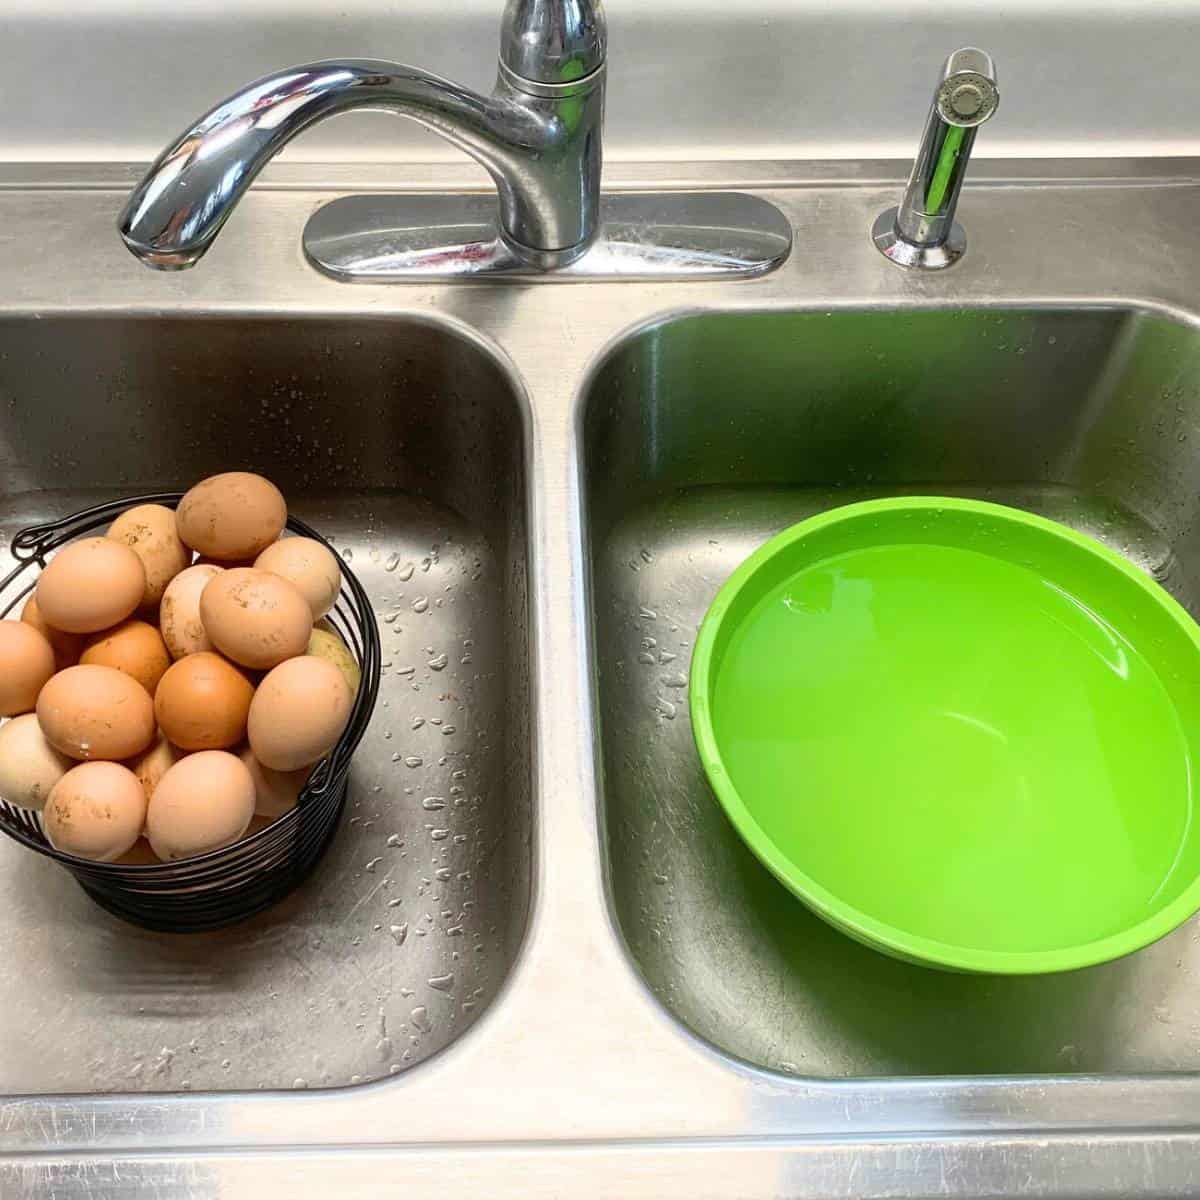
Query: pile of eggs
{"type": "Point", "coordinates": [170, 685]}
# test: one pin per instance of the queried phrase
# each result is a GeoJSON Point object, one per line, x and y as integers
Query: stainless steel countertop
{"type": "Point", "coordinates": [576, 1079]}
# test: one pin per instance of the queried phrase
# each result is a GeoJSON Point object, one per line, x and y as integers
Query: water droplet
{"type": "Point", "coordinates": [442, 983]}
{"type": "Point", "coordinates": [393, 561]}
{"type": "Point", "coordinates": [399, 933]}
{"type": "Point", "coordinates": [348, 554]}
{"type": "Point", "coordinates": [413, 760]}
{"type": "Point", "coordinates": [418, 722]}
{"type": "Point", "coordinates": [420, 604]}
{"type": "Point", "coordinates": [395, 840]}
{"type": "Point", "coordinates": [676, 681]}
{"type": "Point", "coordinates": [370, 867]}
{"type": "Point", "coordinates": [439, 835]}
{"type": "Point", "coordinates": [437, 662]}
{"type": "Point", "coordinates": [406, 573]}
{"type": "Point", "coordinates": [420, 1019]}
{"type": "Point", "coordinates": [647, 614]}
{"type": "Point", "coordinates": [299, 1083]}
{"type": "Point", "coordinates": [433, 803]}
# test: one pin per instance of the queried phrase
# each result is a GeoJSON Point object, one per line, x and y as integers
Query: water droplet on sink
{"type": "Point", "coordinates": [393, 561]}
{"type": "Point", "coordinates": [420, 1018]}
{"type": "Point", "coordinates": [399, 933]}
{"type": "Point", "coordinates": [413, 760]}
{"type": "Point", "coordinates": [442, 983]}
{"type": "Point", "coordinates": [348, 554]}
{"type": "Point", "coordinates": [438, 662]}
{"type": "Point", "coordinates": [420, 604]}
{"type": "Point", "coordinates": [406, 572]}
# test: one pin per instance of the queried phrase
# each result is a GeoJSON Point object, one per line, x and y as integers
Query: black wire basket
{"type": "Point", "coordinates": [228, 885]}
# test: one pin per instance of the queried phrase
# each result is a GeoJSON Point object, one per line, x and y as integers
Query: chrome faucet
{"type": "Point", "coordinates": [538, 134]}
{"type": "Point", "coordinates": [922, 231]}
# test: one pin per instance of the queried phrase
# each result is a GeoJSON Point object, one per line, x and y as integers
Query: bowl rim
{"type": "Point", "coordinates": [849, 919]}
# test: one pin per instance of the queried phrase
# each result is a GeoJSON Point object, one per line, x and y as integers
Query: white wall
{"type": "Point", "coordinates": [691, 79]}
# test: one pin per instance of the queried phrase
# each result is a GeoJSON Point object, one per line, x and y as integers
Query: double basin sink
{"type": "Point", "coordinates": [536, 948]}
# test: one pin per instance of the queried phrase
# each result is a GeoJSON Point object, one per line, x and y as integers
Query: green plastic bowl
{"type": "Point", "coordinates": [962, 734]}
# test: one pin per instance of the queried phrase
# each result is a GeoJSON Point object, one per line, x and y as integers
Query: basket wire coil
{"type": "Point", "coordinates": [227, 885]}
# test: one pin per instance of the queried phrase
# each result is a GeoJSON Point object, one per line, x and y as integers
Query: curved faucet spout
{"type": "Point", "coordinates": [542, 148]}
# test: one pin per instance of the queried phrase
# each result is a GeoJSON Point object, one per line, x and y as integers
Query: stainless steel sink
{"type": "Point", "coordinates": [703, 436]}
{"type": "Point", "coordinates": [403, 442]}
{"type": "Point", "coordinates": [635, 1009]}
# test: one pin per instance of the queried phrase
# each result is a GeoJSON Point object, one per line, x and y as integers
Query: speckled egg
{"type": "Point", "coordinates": [149, 531]}
{"type": "Point", "coordinates": [256, 618]}
{"type": "Point", "coordinates": [328, 644]}
{"type": "Point", "coordinates": [154, 763]}
{"type": "Point", "coordinates": [29, 765]}
{"type": "Point", "coordinates": [231, 517]}
{"type": "Point", "coordinates": [97, 810]}
{"type": "Point", "coordinates": [179, 616]}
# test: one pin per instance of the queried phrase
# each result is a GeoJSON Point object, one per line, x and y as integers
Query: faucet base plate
{"type": "Point", "coordinates": [910, 254]}
{"type": "Point", "coordinates": [643, 235]}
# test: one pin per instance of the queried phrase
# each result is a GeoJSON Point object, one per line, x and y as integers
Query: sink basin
{"type": "Point", "coordinates": [705, 435]}
{"type": "Point", "coordinates": [401, 440]}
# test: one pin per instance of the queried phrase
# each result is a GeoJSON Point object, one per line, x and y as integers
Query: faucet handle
{"type": "Point", "coordinates": [922, 231]}
{"type": "Point", "coordinates": [552, 41]}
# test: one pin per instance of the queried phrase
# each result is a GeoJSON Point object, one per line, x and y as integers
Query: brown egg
{"type": "Point", "coordinates": [275, 792]}
{"type": "Point", "coordinates": [202, 703]}
{"type": "Point", "coordinates": [97, 810]}
{"type": "Point", "coordinates": [298, 713]}
{"type": "Point", "coordinates": [179, 616]}
{"type": "Point", "coordinates": [232, 516]}
{"type": "Point", "coordinates": [67, 647]}
{"type": "Point", "coordinates": [29, 765]}
{"type": "Point", "coordinates": [149, 531]}
{"type": "Point", "coordinates": [96, 712]}
{"type": "Point", "coordinates": [308, 565]}
{"type": "Point", "coordinates": [91, 585]}
{"type": "Point", "coordinates": [133, 647]}
{"type": "Point", "coordinates": [204, 802]}
{"type": "Point", "coordinates": [26, 664]}
{"type": "Point", "coordinates": [151, 766]}
{"type": "Point", "coordinates": [256, 618]}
